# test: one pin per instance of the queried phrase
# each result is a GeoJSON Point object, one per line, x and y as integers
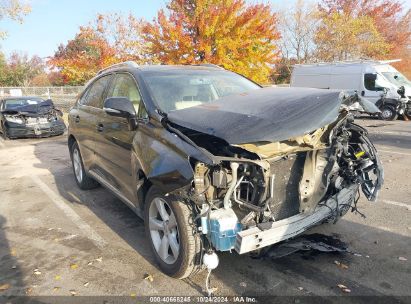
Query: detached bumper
{"type": "Point", "coordinates": [275, 232]}
{"type": "Point", "coordinates": [35, 130]}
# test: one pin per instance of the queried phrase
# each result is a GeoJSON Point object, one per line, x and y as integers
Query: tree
{"type": "Point", "coordinates": [20, 70]}
{"type": "Point", "coordinates": [110, 39]}
{"type": "Point", "coordinates": [82, 57]}
{"type": "Point", "coordinates": [341, 37]}
{"type": "Point", "coordinates": [239, 37]}
{"type": "Point", "coordinates": [297, 25]}
{"type": "Point", "coordinates": [13, 9]}
{"type": "Point", "coordinates": [391, 20]}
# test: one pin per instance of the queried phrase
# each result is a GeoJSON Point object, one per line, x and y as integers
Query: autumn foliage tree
{"type": "Point", "coordinates": [110, 39]}
{"type": "Point", "coordinates": [230, 33]}
{"type": "Point", "coordinates": [391, 20]}
{"type": "Point", "coordinates": [341, 37]}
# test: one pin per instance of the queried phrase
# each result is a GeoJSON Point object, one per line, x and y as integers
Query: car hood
{"type": "Point", "coordinates": [42, 108]}
{"type": "Point", "coordinates": [263, 115]}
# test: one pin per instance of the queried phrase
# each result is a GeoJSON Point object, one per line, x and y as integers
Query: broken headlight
{"type": "Point", "coordinates": [14, 119]}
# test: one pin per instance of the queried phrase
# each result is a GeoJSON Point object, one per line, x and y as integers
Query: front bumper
{"type": "Point", "coordinates": [274, 232]}
{"type": "Point", "coordinates": [35, 130]}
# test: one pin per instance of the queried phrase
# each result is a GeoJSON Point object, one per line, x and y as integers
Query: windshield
{"type": "Point", "coordinates": [11, 104]}
{"type": "Point", "coordinates": [180, 89]}
{"type": "Point", "coordinates": [396, 78]}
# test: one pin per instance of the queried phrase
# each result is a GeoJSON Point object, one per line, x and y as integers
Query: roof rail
{"type": "Point", "coordinates": [210, 65]}
{"type": "Point", "coordinates": [125, 64]}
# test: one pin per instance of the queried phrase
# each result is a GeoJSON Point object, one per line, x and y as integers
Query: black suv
{"type": "Point", "coordinates": [214, 162]}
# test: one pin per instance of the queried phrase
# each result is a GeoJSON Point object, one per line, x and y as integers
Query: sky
{"type": "Point", "coordinates": [52, 22]}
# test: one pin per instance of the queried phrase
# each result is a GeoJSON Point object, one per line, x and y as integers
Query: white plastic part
{"type": "Point", "coordinates": [210, 260]}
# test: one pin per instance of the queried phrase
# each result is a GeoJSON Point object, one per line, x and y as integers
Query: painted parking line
{"type": "Point", "coordinates": [70, 213]}
{"type": "Point", "coordinates": [396, 204]}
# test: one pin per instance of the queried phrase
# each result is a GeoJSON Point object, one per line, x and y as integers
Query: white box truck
{"type": "Point", "coordinates": [377, 81]}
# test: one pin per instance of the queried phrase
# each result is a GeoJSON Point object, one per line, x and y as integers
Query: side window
{"type": "Point", "coordinates": [125, 86]}
{"type": "Point", "coordinates": [94, 96]}
{"type": "Point", "coordinates": [371, 82]}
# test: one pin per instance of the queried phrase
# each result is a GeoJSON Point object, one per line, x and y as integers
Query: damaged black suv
{"type": "Point", "coordinates": [22, 117]}
{"type": "Point", "coordinates": [214, 162]}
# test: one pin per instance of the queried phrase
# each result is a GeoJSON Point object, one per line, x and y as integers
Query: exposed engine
{"type": "Point", "coordinates": [249, 190]}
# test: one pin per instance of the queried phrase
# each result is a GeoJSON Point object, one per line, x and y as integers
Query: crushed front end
{"type": "Point", "coordinates": [260, 193]}
{"type": "Point", "coordinates": [27, 124]}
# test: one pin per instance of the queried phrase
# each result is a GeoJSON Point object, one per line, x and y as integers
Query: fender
{"type": "Point", "coordinates": [164, 158]}
{"type": "Point", "coordinates": [390, 101]}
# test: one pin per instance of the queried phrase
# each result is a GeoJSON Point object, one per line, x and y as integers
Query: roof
{"type": "Point", "coordinates": [348, 62]}
{"type": "Point", "coordinates": [160, 67]}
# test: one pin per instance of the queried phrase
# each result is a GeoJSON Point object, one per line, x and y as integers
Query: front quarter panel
{"type": "Point", "coordinates": [164, 157]}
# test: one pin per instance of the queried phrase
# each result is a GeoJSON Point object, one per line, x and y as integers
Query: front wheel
{"type": "Point", "coordinates": [388, 112]}
{"type": "Point", "coordinates": [4, 134]}
{"type": "Point", "coordinates": [173, 239]}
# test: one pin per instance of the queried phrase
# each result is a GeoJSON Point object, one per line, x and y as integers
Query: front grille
{"type": "Point", "coordinates": [288, 173]}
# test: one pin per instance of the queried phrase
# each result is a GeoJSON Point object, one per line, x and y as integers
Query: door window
{"type": "Point", "coordinates": [125, 86]}
{"type": "Point", "coordinates": [94, 96]}
{"type": "Point", "coordinates": [373, 83]}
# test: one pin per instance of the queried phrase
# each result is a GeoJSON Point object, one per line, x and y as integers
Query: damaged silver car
{"type": "Point", "coordinates": [213, 162]}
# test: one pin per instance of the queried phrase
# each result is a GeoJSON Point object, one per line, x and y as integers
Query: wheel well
{"type": "Point", "coordinates": [143, 190]}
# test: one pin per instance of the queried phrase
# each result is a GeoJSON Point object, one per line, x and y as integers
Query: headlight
{"type": "Point", "coordinates": [14, 119]}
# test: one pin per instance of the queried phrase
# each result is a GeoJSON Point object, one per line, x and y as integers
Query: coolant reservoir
{"type": "Point", "coordinates": [223, 229]}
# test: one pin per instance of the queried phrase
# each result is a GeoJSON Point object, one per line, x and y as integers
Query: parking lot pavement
{"type": "Point", "coordinates": [58, 240]}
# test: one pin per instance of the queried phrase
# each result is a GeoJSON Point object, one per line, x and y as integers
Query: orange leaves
{"type": "Point", "coordinates": [341, 37]}
{"type": "Point", "coordinates": [111, 39]}
{"type": "Point", "coordinates": [386, 17]}
{"type": "Point", "coordinates": [230, 33]}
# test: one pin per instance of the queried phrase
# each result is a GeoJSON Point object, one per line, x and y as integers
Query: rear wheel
{"type": "Point", "coordinates": [388, 112]}
{"type": "Point", "coordinates": [173, 240]}
{"type": "Point", "coordinates": [84, 181]}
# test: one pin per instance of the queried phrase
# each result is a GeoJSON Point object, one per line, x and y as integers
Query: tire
{"type": "Point", "coordinates": [188, 259]}
{"type": "Point", "coordinates": [84, 181]}
{"type": "Point", "coordinates": [388, 112]}
{"type": "Point", "coordinates": [4, 134]}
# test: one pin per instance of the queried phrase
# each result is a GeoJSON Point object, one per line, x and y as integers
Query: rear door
{"type": "Point", "coordinates": [115, 140]}
{"type": "Point", "coordinates": [84, 118]}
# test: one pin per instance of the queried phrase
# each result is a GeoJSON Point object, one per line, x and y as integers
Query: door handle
{"type": "Point", "coordinates": [362, 93]}
{"type": "Point", "coordinates": [100, 128]}
{"type": "Point", "coordinates": [77, 118]}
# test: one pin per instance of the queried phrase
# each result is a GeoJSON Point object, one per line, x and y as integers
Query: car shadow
{"type": "Point", "coordinates": [11, 275]}
{"type": "Point", "coordinates": [107, 207]}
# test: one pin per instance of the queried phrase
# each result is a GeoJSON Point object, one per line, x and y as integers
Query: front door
{"type": "Point", "coordinates": [115, 141]}
{"type": "Point", "coordinates": [84, 118]}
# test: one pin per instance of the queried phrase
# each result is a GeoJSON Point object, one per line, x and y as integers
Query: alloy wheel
{"type": "Point", "coordinates": [78, 169]}
{"type": "Point", "coordinates": [164, 230]}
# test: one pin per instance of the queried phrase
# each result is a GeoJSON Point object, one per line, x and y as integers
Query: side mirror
{"type": "Point", "coordinates": [401, 91]}
{"type": "Point", "coordinates": [120, 107]}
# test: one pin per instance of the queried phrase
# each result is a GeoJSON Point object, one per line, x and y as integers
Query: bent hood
{"type": "Point", "coordinates": [263, 115]}
{"type": "Point", "coordinates": [41, 108]}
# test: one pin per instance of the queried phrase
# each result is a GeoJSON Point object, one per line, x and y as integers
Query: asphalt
{"type": "Point", "coordinates": [56, 240]}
